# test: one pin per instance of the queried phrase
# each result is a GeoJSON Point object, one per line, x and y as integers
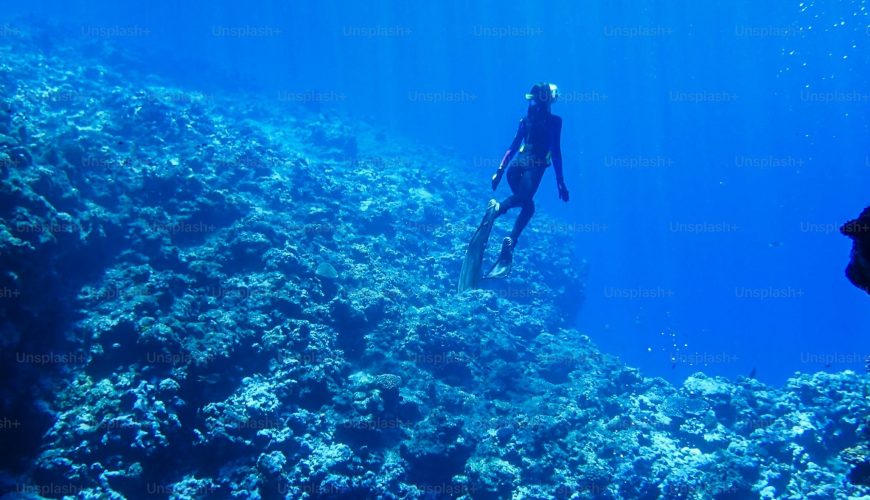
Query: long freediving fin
{"type": "Point", "coordinates": [469, 276]}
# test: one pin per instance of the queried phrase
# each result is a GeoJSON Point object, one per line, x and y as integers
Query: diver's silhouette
{"type": "Point", "coordinates": [535, 146]}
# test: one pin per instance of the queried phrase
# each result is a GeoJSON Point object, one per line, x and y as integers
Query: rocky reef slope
{"type": "Point", "coordinates": [233, 297]}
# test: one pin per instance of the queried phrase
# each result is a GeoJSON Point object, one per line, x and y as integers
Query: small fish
{"type": "Point", "coordinates": [752, 373]}
{"type": "Point", "coordinates": [210, 379]}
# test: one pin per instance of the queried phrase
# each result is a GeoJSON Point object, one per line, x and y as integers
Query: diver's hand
{"type": "Point", "coordinates": [496, 178]}
{"type": "Point", "coordinates": [563, 191]}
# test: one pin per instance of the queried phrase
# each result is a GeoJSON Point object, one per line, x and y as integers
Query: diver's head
{"type": "Point", "coordinates": [543, 95]}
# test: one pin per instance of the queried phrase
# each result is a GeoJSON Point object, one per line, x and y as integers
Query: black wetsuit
{"type": "Point", "coordinates": [538, 143]}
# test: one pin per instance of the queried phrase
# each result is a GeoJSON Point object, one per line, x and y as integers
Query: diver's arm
{"type": "Point", "coordinates": [556, 155]}
{"type": "Point", "coordinates": [509, 154]}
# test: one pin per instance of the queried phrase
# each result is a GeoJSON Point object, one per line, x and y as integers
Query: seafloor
{"type": "Point", "coordinates": [214, 295]}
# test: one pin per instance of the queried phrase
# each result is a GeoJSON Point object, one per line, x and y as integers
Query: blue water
{"type": "Point", "coordinates": [711, 150]}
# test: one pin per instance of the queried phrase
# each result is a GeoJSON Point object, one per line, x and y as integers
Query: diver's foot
{"type": "Point", "coordinates": [507, 245]}
{"type": "Point", "coordinates": [491, 214]}
{"type": "Point", "coordinates": [502, 266]}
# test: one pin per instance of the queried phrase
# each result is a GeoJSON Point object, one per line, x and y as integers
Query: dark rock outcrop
{"type": "Point", "coordinates": [858, 269]}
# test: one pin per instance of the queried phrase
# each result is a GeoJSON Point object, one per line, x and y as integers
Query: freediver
{"type": "Point", "coordinates": [535, 146]}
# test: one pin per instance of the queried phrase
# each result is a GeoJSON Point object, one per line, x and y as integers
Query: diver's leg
{"type": "Point", "coordinates": [534, 180]}
{"type": "Point", "coordinates": [524, 187]}
{"type": "Point", "coordinates": [514, 178]}
{"type": "Point", "coordinates": [523, 219]}
{"type": "Point", "coordinates": [524, 180]}
{"type": "Point", "coordinates": [528, 188]}
{"type": "Point", "coordinates": [508, 203]}
{"type": "Point", "coordinates": [502, 265]}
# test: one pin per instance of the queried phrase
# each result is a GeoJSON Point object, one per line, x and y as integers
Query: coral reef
{"type": "Point", "coordinates": [216, 297]}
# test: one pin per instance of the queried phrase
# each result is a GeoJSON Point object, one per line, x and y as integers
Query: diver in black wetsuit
{"type": "Point", "coordinates": [538, 144]}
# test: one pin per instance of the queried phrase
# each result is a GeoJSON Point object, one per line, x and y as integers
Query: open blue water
{"type": "Point", "coordinates": [712, 150]}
